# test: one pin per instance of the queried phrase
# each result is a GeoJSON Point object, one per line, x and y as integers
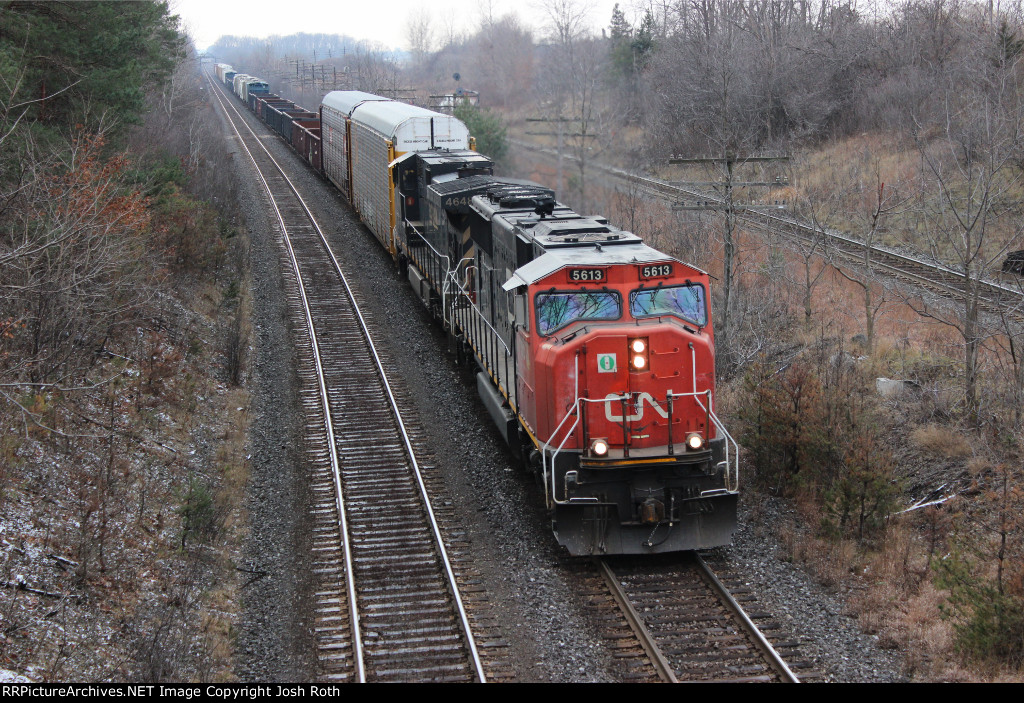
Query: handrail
{"type": "Point", "coordinates": [474, 307]}
{"type": "Point", "coordinates": [452, 277]}
{"type": "Point", "coordinates": [728, 440]}
{"type": "Point", "coordinates": [547, 445]}
{"type": "Point", "coordinates": [447, 262]}
{"type": "Point", "coordinates": [732, 458]}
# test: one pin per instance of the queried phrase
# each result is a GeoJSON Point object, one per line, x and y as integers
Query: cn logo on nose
{"type": "Point", "coordinates": [640, 400]}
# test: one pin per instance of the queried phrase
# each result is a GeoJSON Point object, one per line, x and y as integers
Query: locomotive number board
{"type": "Point", "coordinates": [648, 271]}
{"type": "Point", "coordinates": [587, 275]}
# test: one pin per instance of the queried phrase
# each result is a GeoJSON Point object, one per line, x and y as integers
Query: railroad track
{"type": "Point", "coordinates": [934, 277]}
{"type": "Point", "coordinates": [678, 622]}
{"type": "Point", "coordinates": [389, 602]}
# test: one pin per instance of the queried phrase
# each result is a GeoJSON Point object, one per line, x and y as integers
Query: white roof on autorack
{"type": "Point", "coordinates": [413, 128]}
{"type": "Point", "coordinates": [345, 101]}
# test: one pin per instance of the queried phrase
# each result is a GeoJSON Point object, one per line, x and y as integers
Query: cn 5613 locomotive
{"type": "Point", "coordinates": [595, 352]}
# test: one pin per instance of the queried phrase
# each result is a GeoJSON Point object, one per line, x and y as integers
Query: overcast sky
{"type": "Point", "coordinates": [381, 21]}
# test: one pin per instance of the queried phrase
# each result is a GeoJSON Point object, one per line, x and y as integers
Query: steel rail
{"type": "Point", "coordinates": [328, 422]}
{"type": "Point", "coordinates": [453, 586]}
{"type": "Point", "coordinates": [636, 624]}
{"type": "Point", "coordinates": [760, 641]}
{"type": "Point", "coordinates": [662, 188]}
{"type": "Point", "coordinates": [713, 589]}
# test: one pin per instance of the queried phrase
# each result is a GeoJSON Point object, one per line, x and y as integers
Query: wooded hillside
{"type": "Point", "coordinates": [120, 346]}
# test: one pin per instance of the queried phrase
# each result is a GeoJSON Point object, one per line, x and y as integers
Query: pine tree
{"type": "Point", "coordinates": [70, 64]}
{"type": "Point", "coordinates": [621, 50]}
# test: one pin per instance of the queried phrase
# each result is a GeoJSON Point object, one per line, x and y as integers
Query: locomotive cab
{"type": "Point", "coordinates": [414, 172]}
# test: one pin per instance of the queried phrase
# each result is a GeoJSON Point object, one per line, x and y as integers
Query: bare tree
{"type": "Point", "coordinates": [570, 81]}
{"type": "Point", "coordinates": [968, 204]}
{"type": "Point", "coordinates": [876, 203]}
{"type": "Point", "coordinates": [813, 252]}
{"type": "Point", "coordinates": [566, 21]}
{"type": "Point", "coordinates": [500, 61]}
{"type": "Point", "coordinates": [419, 32]}
{"type": "Point", "coordinates": [376, 72]}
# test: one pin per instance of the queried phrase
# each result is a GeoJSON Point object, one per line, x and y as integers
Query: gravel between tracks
{"type": "Point", "coordinates": [810, 613]}
{"type": "Point", "coordinates": [274, 641]}
{"type": "Point", "coordinates": [524, 570]}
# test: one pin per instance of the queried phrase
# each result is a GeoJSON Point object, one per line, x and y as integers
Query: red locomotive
{"type": "Point", "coordinates": [596, 355]}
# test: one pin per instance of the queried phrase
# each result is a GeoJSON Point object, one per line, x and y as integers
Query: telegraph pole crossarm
{"type": "Point", "coordinates": [730, 208]}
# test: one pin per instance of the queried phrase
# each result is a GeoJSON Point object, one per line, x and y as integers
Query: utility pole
{"type": "Point", "coordinates": [727, 205]}
{"type": "Point", "coordinates": [560, 135]}
{"type": "Point", "coordinates": [559, 121]}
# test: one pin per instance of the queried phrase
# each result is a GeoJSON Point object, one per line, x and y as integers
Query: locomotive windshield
{"type": "Point", "coordinates": [686, 302]}
{"type": "Point", "coordinates": [556, 310]}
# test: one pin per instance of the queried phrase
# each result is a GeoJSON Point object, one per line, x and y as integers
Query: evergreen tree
{"type": "Point", "coordinates": [620, 29]}
{"type": "Point", "coordinates": [621, 50]}
{"type": "Point", "coordinates": [631, 50]}
{"type": "Point", "coordinates": [489, 130]}
{"type": "Point", "coordinates": [77, 63]}
{"type": "Point", "coordinates": [642, 46]}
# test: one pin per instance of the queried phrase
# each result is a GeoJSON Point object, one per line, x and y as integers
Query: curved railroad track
{"type": "Point", "coordinates": [389, 606]}
{"type": "Point", "coordinates": [941, 280]}
{"type": "Point", "coordinates": [689, 626]}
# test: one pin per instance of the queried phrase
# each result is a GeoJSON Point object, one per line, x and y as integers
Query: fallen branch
{"type": "Point", "coordinates": [918, 506]}
{"type": "Point", "coordinates": [61, 561]}
{"type": "Point", "coordinates": [22, 586]}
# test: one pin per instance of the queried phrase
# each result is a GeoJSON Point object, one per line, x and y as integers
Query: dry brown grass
{"type": "Point", "coordinates": [893, 597]}
{"type": "Point", "coordinates": [218, 630]}
{"type": "Point", "coordinates": [942, 441]}
{"type": "Point", "coordinates": [890, 594]}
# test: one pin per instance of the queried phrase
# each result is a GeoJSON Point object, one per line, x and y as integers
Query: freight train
{"type": "Point", "coordinates": [594, 352]}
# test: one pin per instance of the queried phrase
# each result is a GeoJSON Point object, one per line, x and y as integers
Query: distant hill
{"type": "Point", "coordinates": [321, 47]}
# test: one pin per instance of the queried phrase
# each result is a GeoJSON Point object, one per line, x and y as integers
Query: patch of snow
{"type": "Point", "coordinates": [8, 676]}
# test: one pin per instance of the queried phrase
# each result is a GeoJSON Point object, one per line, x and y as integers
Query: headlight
{"type": "Point", "coordinates": [638, 351]}
{"type": "Point", "coordinates": [694, 441]}
{"type": "Point", "coordinates": [599, 447]}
